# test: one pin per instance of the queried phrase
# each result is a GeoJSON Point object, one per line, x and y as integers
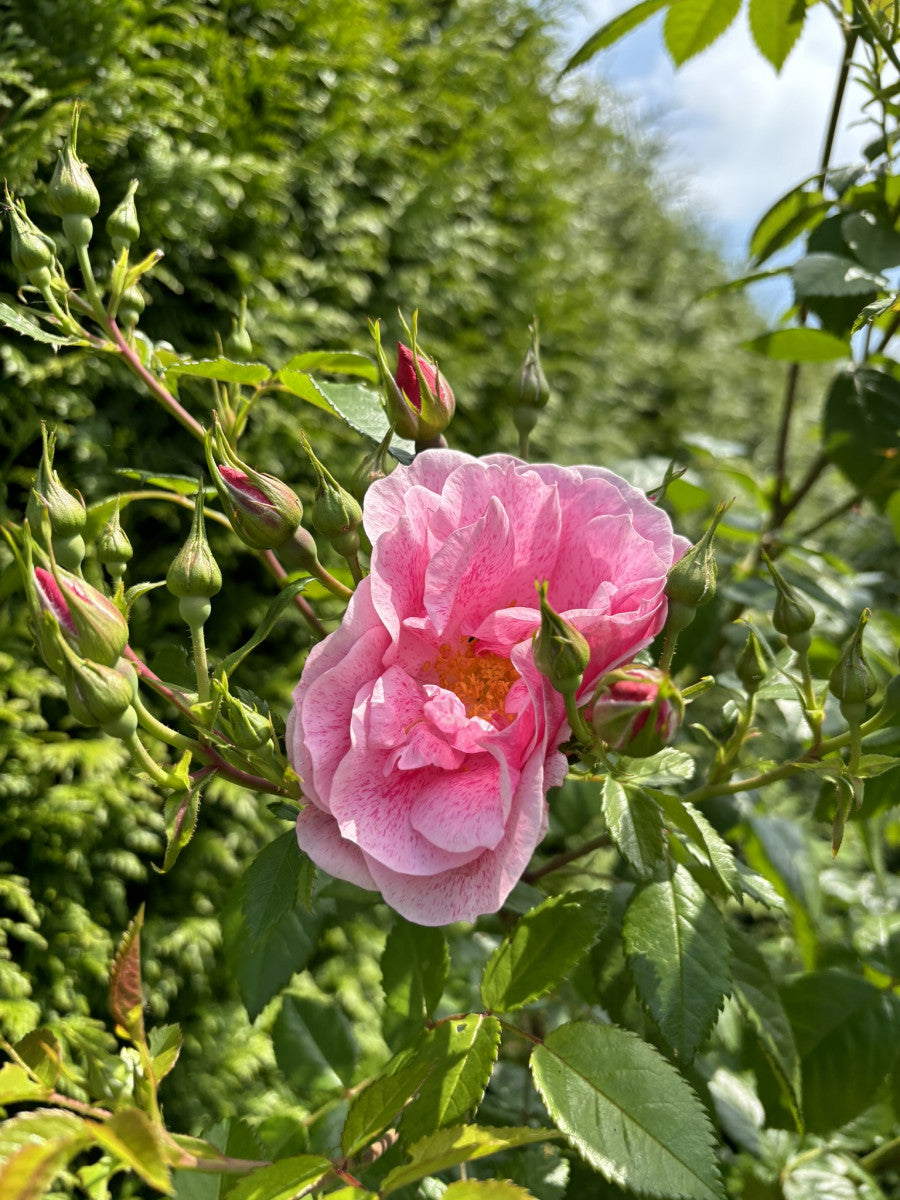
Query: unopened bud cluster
{"type": "Point", "coordinates": [636, 710]}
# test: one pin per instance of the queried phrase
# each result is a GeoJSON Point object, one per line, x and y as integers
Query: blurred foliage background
{"type": "Point", "coordinates": [332, 162]}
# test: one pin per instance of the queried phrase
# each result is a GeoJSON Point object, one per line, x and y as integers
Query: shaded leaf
{"type": "Point", "coordinates": [313, 1044]}
{"type": "Point", "coordinates": [414, 966]}
{"type": "Point", "coordinates": [861, 426]}
{"type": "Point", "coordinates": [461, 1053]}
{"type": "Point", "coordinates": [270, 885]}
{"type": "Point", "coordinates": [692, 25]}
{"type": "Point", "coordinates": [692, 822]}
{"type": "Point", "coordinates": [875, 244]}
{"type": "Point", "coordinates": [627, 1111]}
{"type": "Point", "coordinates": [790, 216]}
{"type": "Point", "coordinates": [541, 949]}
{"type": "Point", "coordinates": [677, 950]}
{"type": "Point", "coordinates": [450, 1147]}
{"type": "Point", "coordinates": [486, 1189]}
{"type": "Point", "coordinates": [635, 823]}
{"type": "Point", "coordinates": [378, 1104]}
{"type": "Point", "coordinates": [41, 1053]}
{"type": "Point", "coordinates": [126, 1001]}
{"type": "Point", "coordinates": [759, 1001]}
{"type": "Point", "coordinates": [132, 1138]}
{"type": "Point", "coordinates": [825, 274]}
{"type": "Point", "coordinates": [19, 322]}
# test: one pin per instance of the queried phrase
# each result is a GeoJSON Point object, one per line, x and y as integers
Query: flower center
{"type": "Point", "coordinates": [480, 680]}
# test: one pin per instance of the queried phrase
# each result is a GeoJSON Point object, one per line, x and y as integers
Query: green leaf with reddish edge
{"type": "Point", "coordinates": [692, 25]}
{"type": "Point", "coordinates": [126, 1000]}
{"type": "Point", "coordinates": [848, 1036]}
{"type": "Point", "coordinates": [19, 322]}
{"type": "Point", "coordinates": [131, 1137]}
{"type": "Point", "coordinates": [613, 30]}
{"type": "Point", "coordinates": [314, 1045]}
{"type": "Point", "coordinates": [758, 999]}
{"type": "Point", "coordinates": [221, 369]}
{"type": "Point", "coordinates": [636, 826]}
{"type": "Point", "coordinates": [378, 1105]}
{"type": "Point", "coordinates": [270, 885]}
{"type": "Point", "coordinates": [799, 345]}
{"type": "Point", "coordinates": [486, 1189]}
{"type": "Point", "coordinates": [338, 362]}
{"type": "Point", "coordinates": [180, 813]}
{"type": "Point", "coordinates": [463, 1143]}
{"type": "Point", "coordinates": [627, 1111]}
{"type": "Point", "coordinates": [461, 1052]}
{"type": "Point", "coordinates": [541, 949]}
{"type": "Point", "coordinates": [775, 26]}
{"type": "Point", "coordinates": [677, 951]}
{"type": "Point", "coordinates": [414, 966]}
{"type": "Point", "coordinates": [282, 1180]}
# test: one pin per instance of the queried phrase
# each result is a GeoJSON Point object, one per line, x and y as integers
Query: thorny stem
{"type": "Point", "coordinates": [668, 649]}
{"type": "Point", "coordinates": [523, 446]}
{"type": "Point", "coordinates": [98, 312]}
{"type": "Point", "coordinates": [198, 641]}
{"type": "Point", "coordinates": [161, 731]}
{"type": "Point", "coordinates": [142, 757]}
{"type": "Point", "coordinates": [162, 394]}
{"type": "Point", "coordinates": [271, 561]}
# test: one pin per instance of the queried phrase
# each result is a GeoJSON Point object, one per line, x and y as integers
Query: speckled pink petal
{"type": "Point", "coordinates": [319, 837]}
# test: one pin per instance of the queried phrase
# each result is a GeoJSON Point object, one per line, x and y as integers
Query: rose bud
{"type": "Point", "coordinates": [66, 512]}
{"type": "Point", "coordinates": [113, 547]}
{"type": "Point", "coordinates": [88, 622]}
{"type": "Point", "coordinates": [262, 510]}
{"type": "Point", "coordinates": [33, 253]}
{"type": "Point", "coordinates": [531, 391]}
{"type": "Point", "coordinates": [691, 582]}
{"type": "Point", "coordinates": [193, 575]}
{"type": "Point", "coordinates": [419, 402]}
{"type": "Point", "coordinates": [792, 615]}
{"type": "Point", "coordinates": [100, 695]}
{"type": "Point", "coordinates": [752, 666]}
{"type": "Point", "coordinates": [72, 193]}
{"type": "Point", "coordinates": [560, 651]}
{"type": "Point", "coordinates": [636, 710]}
{"type": "Point", "coordinates": [336, 514]}
{"type": "Point", "coordinates": [122, 224]}
{"type": "Point", "coordinates": [851, 680]}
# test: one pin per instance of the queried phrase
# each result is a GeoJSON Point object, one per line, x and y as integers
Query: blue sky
{"type": "Point", "coordinates": [738, 134]}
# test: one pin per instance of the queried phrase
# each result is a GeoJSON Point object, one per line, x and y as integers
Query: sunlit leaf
{"type": "Point", "coordinates": [449, 1147]}
{"type": "Point", "coordinates": [461, 1052]}
{"type": "Point", "coordinates": [692, 25]}
{"type": "Point", "coordinates": [775, 26]}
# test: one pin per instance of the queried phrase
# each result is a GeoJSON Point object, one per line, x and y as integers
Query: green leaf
{"type": "Point", "coordinates": [636, 825]}
{"type": "Point", "coordinates": [232, 661]}
{"type": "Point", "coordinates": [799, 345]}
{"type": "Point", "coordinates": [17, 1085]}
{"type": "Point", "coordinates": [222, 369]}
{"type": "Point", "coordinates": [792, 214]}
{"type": "Point", "coordinates": [338, 362]}
{"type": "Point", "coordinates": [378, 1104]}
{"type": "Point", "coordinates": [541, 949]}
{"type": "Point", "coordinates": [826, 274]}
{"type": "Point", "coordinates": [627, 1111]}
{"type": "Point", "coordinates": [358, 406]}
{"type": "Point", "coordinates": [282, 1180]}
{"type": "Point", "coordinates": [848, 1033]}
{"type": "Point", "coordinates": [132, 1138]}
{"type": "Point", "coordinates": [861, 426]}
{"type": "Point", "coordinates": [692, 25]}
{"type": "Point", "coordinates": [875, 244]}
{"type": "Point", "coordinates": [759, 1001]}
{"type": "Point", "coordinates": [180, 812]}
{"type": "Point", "coordinates": [40, 1051]}
{"type": "Point", "coordinates": [266, 967]}
{"type": "Point", "coordinates": [126, 1001]}
{"type": "Point", "coordinates": [17, 320]}
{"type": "Point", "coordinates": [461, 1052]}
{"type": "Point", "coordinates": [486, 1189]}
{"type": "Point", "coordinates": [613, 30]}
{"type": "Point", "coordinates": [677, 951]}
{"type": "Point", "coordinates": [28, 1173]}
{"type": "Point", "coordinates": [414, 966]}
{"type": "Point", "coordinates": [270, 885]}
{"type": "Point", "coordinates": [314, 1046]}
{"type": "Point", "coordinates": [182, 485]}
{"type": "Point", "coordinates": [669, 767]}
{"type": "Point", "coordinates": [775, 26]}
{"type": "Point", "coordinates": [165, 1046]}
{"type": "Point", "coordinates": [450, 1147]}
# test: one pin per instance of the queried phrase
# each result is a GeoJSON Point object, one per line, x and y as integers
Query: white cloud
{"type": "Point", "coordinates": [739, 135]}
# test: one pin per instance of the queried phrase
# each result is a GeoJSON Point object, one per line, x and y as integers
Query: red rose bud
{"type": "Point", "coordinates": [560, 651]}
{"type": "Point", "coordinates": [637, 710]}
{"type": "Point", "coordinates": [262, 510]}
{"type": "Point", "coordinates": [418, 400]}
{"type": "Point", "coordinates": [90, 623]}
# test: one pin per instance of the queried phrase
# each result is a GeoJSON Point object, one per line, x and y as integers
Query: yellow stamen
{"type": "Point", "coordinates": [481, 681]}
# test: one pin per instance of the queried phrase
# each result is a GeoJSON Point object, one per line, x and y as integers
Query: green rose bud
{"type": "Point", "coordinates": [336, 514]}
{"type": "Point", "coordinates": [113, 547]}
{"type": "Point", "coordinates": [792, 615]}
{"type": "Point", "coordinates": [122, 224]}
{"type": "Point", "coordinates": [560, 651]}
{"type": "Point", "coordinates": [194, 574]}
{"type": "Point", "coordinates": [72, 194]}
{"type": "Point", "coordinates": [751, 667]}
{"type": "Point", "coordinates": [851, 681]}
{"type": "Point", "coordinates": [692, 580]}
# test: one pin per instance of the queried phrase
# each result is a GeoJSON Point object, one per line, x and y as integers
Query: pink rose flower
{"type": "Point", "coordinates": [425, 737]}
